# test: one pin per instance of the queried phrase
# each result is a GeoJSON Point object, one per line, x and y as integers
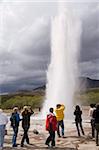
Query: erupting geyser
{"type": "Point", "coordinates": [62, 71]}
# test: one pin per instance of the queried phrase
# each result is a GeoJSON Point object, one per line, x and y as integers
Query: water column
{"type": "Point", "coordinates": [62, 71]}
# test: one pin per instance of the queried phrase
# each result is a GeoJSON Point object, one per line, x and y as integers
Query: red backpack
{"type": "Point", "coordinates": [51, 121]}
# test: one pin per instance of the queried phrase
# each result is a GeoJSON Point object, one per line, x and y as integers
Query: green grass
{"type": "Point", "coordinates": [20, 101]}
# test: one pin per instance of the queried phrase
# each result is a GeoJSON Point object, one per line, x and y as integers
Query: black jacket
{"type": "Point", "coordinates": [96, 115]}
{"type": "Point", "coordinates": [78, 114]}
{"type": "Point", "coordinates": [26, 119]}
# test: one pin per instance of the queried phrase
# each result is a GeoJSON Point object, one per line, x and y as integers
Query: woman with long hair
{"type": "Point", "coordinates": [78, 120]}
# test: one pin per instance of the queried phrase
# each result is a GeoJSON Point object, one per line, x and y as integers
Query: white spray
{"type": "Point", "coordinates": [62, 71]}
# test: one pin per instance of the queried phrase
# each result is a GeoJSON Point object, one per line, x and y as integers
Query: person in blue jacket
{"type": "Point", "coordinates": [15, 120]}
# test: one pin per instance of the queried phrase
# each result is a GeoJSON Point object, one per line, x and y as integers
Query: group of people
{"type": "Point", "coordinates": [54, 121]}
{"type": "Point", "coordinates": [15, 120]}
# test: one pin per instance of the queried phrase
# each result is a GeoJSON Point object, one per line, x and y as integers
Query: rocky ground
{"type": "Point", "coordinates": [70, 142]}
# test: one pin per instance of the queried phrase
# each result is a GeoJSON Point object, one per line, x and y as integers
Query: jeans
{"type": "Point", "coordinates": [60, 124]}
{"type": "Point", "coordinates": [51, 138]}
{"type": "Point", "coordinates": [79, 124]}
{"type": "Point", "coordinates": [2, 134]}
{"type": "Point", "coordinates": [15, 130]}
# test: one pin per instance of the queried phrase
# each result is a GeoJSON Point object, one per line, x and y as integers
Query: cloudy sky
{"type": "Point", "coordinates": [25, 28]}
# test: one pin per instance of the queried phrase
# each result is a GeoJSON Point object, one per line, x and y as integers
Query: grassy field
{"type": "Point", "coordinates": [88, 96]}
{"type": "Point", "coordinates": [10, 101]}
{"type": "Point", "coordinates": [36, 100]}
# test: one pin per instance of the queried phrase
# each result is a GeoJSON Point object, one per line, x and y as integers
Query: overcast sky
{"type": "Point", "coordinates": [25, 28]}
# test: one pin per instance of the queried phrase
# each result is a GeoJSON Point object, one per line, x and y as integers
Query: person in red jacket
{"type": "Point", "coordinates": [51, 127]}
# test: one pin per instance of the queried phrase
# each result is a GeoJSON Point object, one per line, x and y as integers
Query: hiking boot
{"type": "Point", "coordinates": [47, 144]}
{"type": "Point", "coordinates": [15, 145]}
{"type": "Point", "coordinates": [22, 145]}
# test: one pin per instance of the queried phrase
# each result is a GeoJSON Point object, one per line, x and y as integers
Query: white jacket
{"type": "Point", "coordinates": [91, 110]}
{"type": "Point", "coordinates": [3, 119]}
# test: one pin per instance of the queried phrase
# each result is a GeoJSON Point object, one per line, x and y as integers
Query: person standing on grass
{"type": "Point", "coordinates": [60, 118]}
{"type": "Point", "coordinates": [51, 126]}
{"type": "Point", "coordinates": [92, 120]}
{"type": "Point", "coordinates": [26, 114]}
{"type": "Point", "coordinates": [3, 122]}
{"type": "Point", "coordinates": [15, 120]}
{"type": "Point", "coordinates": [78, 119]}
{"type": "Point", "coordinates": [96, 117]}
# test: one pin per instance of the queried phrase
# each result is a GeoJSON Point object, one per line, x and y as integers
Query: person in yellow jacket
{"type": "Point", "coordinates": [60, 118]}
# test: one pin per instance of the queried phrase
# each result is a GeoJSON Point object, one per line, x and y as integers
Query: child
{"type": "Point", "coordinates": [51, 126]}
{"type": "Point", "coordinates": [78, 119]}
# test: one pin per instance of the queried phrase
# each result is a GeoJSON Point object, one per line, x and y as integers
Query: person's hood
{"type": "Point", "coordinates": [50, 115]}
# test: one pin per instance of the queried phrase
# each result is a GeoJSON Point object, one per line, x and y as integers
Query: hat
{"type": "Point", "coordinates": [15, 108]}
{"type": "Point", "coordinates": [25, 107]}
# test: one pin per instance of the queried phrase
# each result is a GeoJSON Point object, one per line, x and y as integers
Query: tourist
{"type": "Point", "coordinates": [26, 114]}
{"type": "Point", "coordinates": [51, 126]}
{"type": "Point", "coordinates": [60, 119]}
{"type": "Point", "coordinates": [96, 116]}
{"type": "Point", "coordinates": [3, 122]}
{"type": "Point", "coordinates": [15, 119]}
{"type": "Point", "coordinates": [78, 119]}
{"type": "Point", "coordinates": [92, 120]}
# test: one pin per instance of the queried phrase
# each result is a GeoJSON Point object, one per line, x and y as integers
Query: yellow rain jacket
{"type": "Point", "coordinates": [60, 113]}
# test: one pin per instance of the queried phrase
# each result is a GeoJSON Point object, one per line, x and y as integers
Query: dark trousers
{"type": "Point", "coordinates": [60, 124]}
{"type": "Point", "coordinates": [25, 136]}
{"type": "Point", "coordinates": [79, 126]}
{"type": "Point", "coordinates": [51, 138]}
{"type": "Point", "coordinates": [97, 133]}
{"type": "Point", "coordinates": [15, 130]}
{"type": "Point", "coordinates": [93, 127]}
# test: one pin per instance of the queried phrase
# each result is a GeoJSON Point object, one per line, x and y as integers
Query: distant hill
{"type": "Point", "coordinates": [84, 83]}
{"type": "Point", "coordinates": [33, 98]}
{"type": "Point", "coordinates": [88, 83]}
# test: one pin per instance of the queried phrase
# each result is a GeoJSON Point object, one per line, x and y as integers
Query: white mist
{"type": "Point", "coordinates": [62, 71]}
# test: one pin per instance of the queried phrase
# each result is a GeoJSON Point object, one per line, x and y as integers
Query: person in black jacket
{"type": "Point", "coordinates": [78, 119]}
{"type": "Point", "coordinates": [96, 117]}
{"type": "Point", "coordinates": [26, 113]}
{"type": "Point", "coordinates": [15, 119]}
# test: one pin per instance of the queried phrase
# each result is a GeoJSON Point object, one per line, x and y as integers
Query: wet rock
{"type": "Point", "coordinates": [35, 131]}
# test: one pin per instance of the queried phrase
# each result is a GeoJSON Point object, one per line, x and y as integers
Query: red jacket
{"type": "Point", "coordinates": [51, 122]}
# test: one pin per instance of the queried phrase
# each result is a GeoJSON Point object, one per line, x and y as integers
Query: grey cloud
{"type": "Point", "coordinates": [25, 46]}
{"type": "Point", "coordinates": [90, 35]}
{"type": "Point", "coordinates": [90, 68]}
{"type": "Point", "coordinates": [89, 54]}
{"type": "Point", "coordinates": [28, 56]}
